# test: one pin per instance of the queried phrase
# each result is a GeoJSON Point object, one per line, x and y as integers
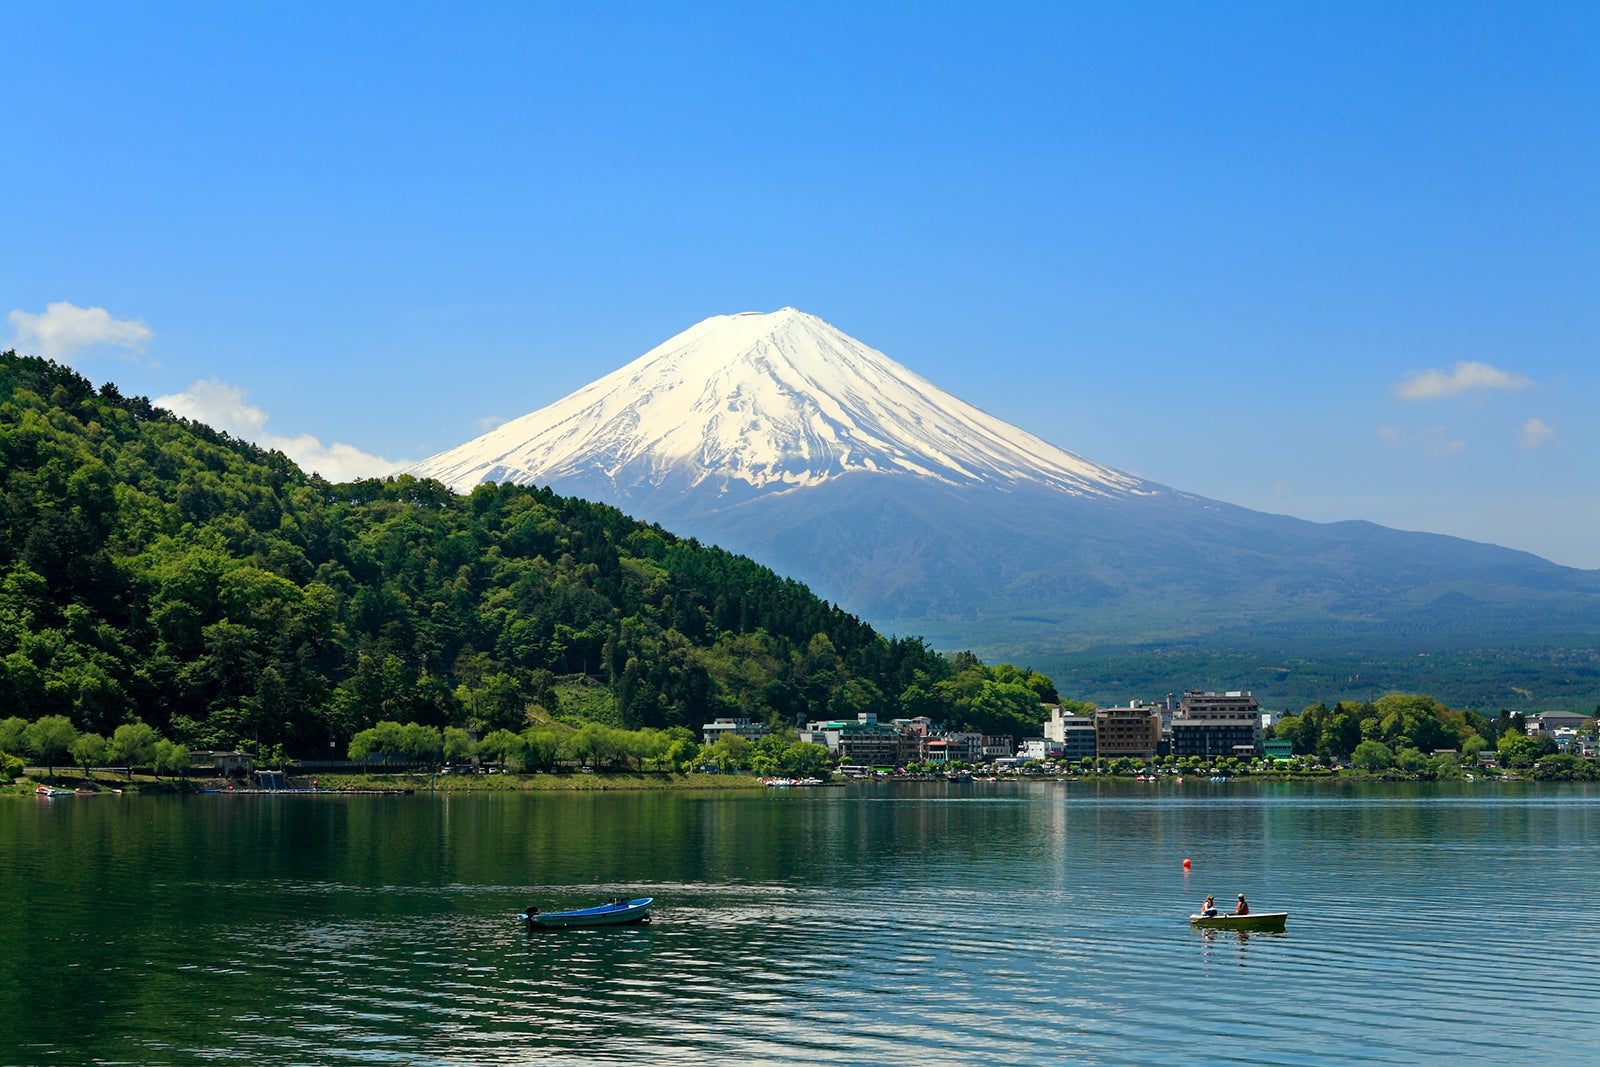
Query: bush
{"type": "Point", "coordinates": [1372, 756]}
{"type": "Point", "coordinates": [10, 766]}
{"type": "Point", "coordinates": [1563, 767]}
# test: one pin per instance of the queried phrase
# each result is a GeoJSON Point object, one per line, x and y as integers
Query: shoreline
{"type": "Point", "coordinates": [114, 782]}
{"type": "Point", "coordinates": [108, 782]}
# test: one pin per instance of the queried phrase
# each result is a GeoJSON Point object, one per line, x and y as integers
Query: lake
{"type": "Point", "coordinates": [1011, 923]}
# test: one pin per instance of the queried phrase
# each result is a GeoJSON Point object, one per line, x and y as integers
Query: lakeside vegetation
{"type": "Point", "coordinates": [1398, 737]}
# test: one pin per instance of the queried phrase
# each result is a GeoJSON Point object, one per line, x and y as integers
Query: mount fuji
{"type": "Point", "coordinates": [780, 437]}
{"type": "Point", "coordinates": [741, 405]}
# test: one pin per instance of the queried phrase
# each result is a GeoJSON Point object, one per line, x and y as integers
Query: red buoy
{"type": "Point", "coordinates": [1186, 863]}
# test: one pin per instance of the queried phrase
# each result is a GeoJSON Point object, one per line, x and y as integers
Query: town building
{"type": "Point", "coordinates": [1040, 748]}
{"type": "Point", "coordinates": [1548, 722]}
{"type": "Point", "coordinates": [864, 741]}
{"type": "Point", "coordinates": [1075, 733]}
{"type": "Point", "coordinates": [748, 729]}
{"type": "Point", "coordinates": [1209, 725]}
{"type": "Point", "coordinates": [998, 746]}
{"type": "Point", "coordinates": [1133, 731]}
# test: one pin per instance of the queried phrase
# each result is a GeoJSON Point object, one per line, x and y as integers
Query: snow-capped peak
{"type": "Point", "coordinates": [762, 401]}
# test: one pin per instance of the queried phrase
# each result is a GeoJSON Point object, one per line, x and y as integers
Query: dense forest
{"type": "Point", "coordinates": [154, 569]}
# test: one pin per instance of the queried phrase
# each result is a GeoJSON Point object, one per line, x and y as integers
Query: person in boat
{"type": "Point", "coordinates": [1209, 908]}
{"type": "Point", "coordinates": [1242, 908]}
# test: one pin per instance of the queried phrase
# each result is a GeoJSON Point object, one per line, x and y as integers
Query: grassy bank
{"type": "Point", "coordinates": [108, 781]}
{"type": "Point", "coordinates": [511, 783]}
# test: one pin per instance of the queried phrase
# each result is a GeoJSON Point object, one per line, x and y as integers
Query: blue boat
{"type": "Point", "coordinates": [613, 913]}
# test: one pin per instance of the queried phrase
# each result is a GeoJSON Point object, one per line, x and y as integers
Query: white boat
{"type": "Point", "coordinates": [1262, 920]}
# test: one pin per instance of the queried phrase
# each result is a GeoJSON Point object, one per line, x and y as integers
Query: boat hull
{"type": "Point", "coordinates": [616, 914]}
{"type": "Point", "coordinates": [1266, 920]}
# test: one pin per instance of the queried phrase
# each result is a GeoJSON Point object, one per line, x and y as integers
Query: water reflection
{"type": "Point", "coordinates": [882, 925]}
{"type": "Point", "coordinates": [1214, 940]}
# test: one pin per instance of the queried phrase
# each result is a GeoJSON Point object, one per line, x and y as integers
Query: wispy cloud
{"type": "Point", "coordinates": [1536, 432]}
{"type": "Point", "coordinates": [1434, 440]}
{"type": "Point", "coordinates": [224, 406]}
{"type": "Point", "coordinates": [1466, 376]}
{"type": "Point", "coordinates": [64, 330]}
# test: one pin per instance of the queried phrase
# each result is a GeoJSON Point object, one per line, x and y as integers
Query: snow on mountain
{"type": "Point", "coordinates": [760, 402]}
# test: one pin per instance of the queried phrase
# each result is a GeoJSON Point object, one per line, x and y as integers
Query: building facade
{"type": "Point", "coordinates": [1210, 725]}
{"type": "Point", "coordinates": [748, 729]}
{"type": "Point", "coordinates": [1133, 731]}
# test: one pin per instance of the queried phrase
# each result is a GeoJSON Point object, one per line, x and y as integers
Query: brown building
{"type": "Point", "coordinates": [1131, 731]}
{"type": "Point", "coordinates": [1217, 724]}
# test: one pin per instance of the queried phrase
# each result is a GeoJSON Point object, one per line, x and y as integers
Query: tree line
{"type": "Point", "coordinates": [1419, 736]}
{"type": "Point", "coordinates": [53, 739]}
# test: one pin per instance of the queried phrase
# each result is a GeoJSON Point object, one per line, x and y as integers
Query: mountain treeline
{"type": "Point", "coordinates": [152, 568]}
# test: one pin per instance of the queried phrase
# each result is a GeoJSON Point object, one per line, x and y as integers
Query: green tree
{"type": "Point", "coordinates": [1372, 756]}
{"type": "Point", "coordinates": [805, 757]}
{"type": "Point", "coordinates": [1299, 730]}
{"type": "Point", "coordinates": [727, 754]}
{"type": "Point", "coordinates": [171, 758]}
{"type": "Point", "coordinates": [501, 746]}
{"type": "Point", "coordinates": [133, 743]}
{"type": "Point", "coordinates": [387, 738]}
{"type": "Point", "coordinates": [1518, 751]}
{"type": "Point", "coordinates": [50, 738]}
{"type": "Point", "coordinates": [1411, 760]}
{"type": "Point", "coordinates": [1564, 767]}
{"type": "Point", "coordinates": [425, 744]}
{"type": "Point", "coordinates": [681, 752]}
{"type": "Point", "coordinates": [457, 745]}
{"type": "Point", "coordinates": [1445, 768]}
{"type": "Point", "coordinates": [14, 735]}
{"type": "Point", "coordinates": [541, 747]}
{"type": "Point", "coordinates": [90, 751]}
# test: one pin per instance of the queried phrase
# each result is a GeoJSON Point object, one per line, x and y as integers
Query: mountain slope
{"type": "Point", "coordinates": [779, 437]}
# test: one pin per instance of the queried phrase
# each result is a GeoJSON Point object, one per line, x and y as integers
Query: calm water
{"type": "Point", "coordinates": [869, 925]}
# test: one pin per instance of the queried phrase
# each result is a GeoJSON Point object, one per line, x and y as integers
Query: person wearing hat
{"type": "Point", "coordinates": [1209, 908]}
{"type": "Point", "coordinates": [1243, 908]}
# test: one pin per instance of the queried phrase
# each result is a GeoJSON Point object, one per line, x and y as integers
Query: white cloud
{"type": "Point", "coordinates": [489, 422]}
{"type": "Point", "coordinates": [1434, 384]}
{"type": "Point", "coordinates": [217, 404]}
{"type": "Point", "coordinates": [1437, 443]}
{"type": "Point", "coordinates": [63, 330]}
{"type": "Point", "coordinates": [1434, 440]}
{"type": "Point", "coordinates": [223, 406]}
{"type": "Point", "coordinates": [1536, 432]}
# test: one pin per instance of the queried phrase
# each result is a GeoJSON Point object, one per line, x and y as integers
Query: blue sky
{"type": "Point", "coordinates": [1334, 260]}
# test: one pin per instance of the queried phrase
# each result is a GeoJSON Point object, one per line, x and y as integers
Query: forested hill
{"type": "Point", "coordinates": [154, 568]}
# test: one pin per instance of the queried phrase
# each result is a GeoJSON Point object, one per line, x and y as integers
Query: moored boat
{"type": "Point", "coordinates": [613, 913]}
{"type": "Point", "coordinates": [1263, 920]}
